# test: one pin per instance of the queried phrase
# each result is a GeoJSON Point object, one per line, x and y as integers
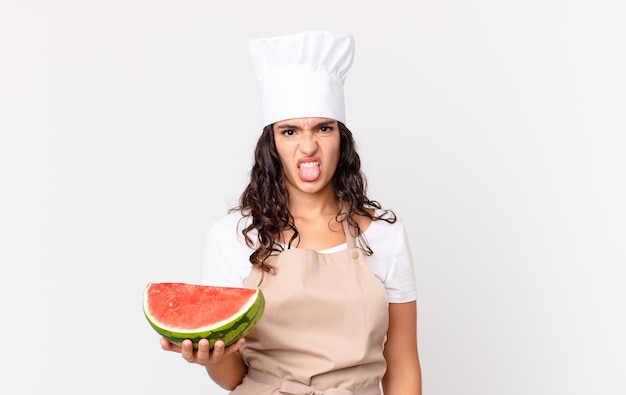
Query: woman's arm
{"type": "Point", "coordinates": [224, 365]}
{"type": "Point", "coordinates": [404, 375]}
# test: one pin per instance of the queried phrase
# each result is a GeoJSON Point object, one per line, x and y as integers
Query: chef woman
{"type": "Point", "coordinates": [335, 266]}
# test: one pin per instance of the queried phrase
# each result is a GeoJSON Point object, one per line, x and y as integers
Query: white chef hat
{"type": "Point", "coordinates": [302, 75]}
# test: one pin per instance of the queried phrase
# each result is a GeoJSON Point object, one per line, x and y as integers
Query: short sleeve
{"type": "Point", "coordinates": [392, 260]}
{"type": "Point", "coordinates": [401, 284]}
{"type": "Point", "coordinates": [226, 258]}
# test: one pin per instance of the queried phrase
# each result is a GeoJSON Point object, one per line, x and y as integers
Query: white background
{"type": "Point", "coordinates": [495, 129]}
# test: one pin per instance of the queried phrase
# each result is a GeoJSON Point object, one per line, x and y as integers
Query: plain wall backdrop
{"type": "Point", "coordinates": [495, 129]}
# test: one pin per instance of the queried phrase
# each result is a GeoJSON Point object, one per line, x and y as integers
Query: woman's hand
{"type": "Point", "coordinates": [223, 364]}
{"type": "Point", "coordinates": [202, 356]}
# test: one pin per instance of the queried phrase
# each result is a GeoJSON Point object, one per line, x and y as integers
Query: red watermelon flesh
{"type": "Point", "coordinates": [181, 311]}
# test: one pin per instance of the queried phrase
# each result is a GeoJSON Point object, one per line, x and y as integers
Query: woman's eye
{"type": "Point", "coordinates": [326, 129]}
{"type": "Point", "coordinates": [288, 132]}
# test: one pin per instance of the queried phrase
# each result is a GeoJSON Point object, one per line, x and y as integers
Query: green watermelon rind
{"type": "Point", "coordinates": [229, 333]}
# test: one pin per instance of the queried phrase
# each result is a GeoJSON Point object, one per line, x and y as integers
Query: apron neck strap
{"type": "Point", "coordinates": [347, 230]}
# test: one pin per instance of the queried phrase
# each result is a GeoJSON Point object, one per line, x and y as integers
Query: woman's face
{"type": "Point", "coordinates": [309, 152]}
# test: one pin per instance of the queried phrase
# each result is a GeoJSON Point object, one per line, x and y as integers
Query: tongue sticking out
{"type": "Point", "coordinates": [309, 171]}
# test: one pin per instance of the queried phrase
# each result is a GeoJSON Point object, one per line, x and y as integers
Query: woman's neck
{"type": "Point", "coordinates": [311, 206]}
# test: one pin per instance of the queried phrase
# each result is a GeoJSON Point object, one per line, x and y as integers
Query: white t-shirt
{"type": "Point", "coordinates": [227, 257]}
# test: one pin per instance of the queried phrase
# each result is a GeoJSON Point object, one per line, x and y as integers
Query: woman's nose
{"type": "Point", "coordinates": [308, 144]}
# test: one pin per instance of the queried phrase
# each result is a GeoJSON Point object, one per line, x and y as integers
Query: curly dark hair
{"type": "Point", "coordinates": [265, 198]}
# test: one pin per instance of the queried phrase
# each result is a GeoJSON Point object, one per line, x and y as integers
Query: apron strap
{"type": "Point", "coordinates": [350, 239]}
{"type": "Point", "coordinates": [296, 388]}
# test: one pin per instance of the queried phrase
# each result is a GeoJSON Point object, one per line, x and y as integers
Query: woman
{"type": "Point", "coordinates": [335, 267]}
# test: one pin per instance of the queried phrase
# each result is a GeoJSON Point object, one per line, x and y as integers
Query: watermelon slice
{"type": "Point", "coordinates": [180, 311]}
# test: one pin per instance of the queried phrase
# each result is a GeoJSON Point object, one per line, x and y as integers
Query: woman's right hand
{"type": "Point", "coordinates": [202, 356]}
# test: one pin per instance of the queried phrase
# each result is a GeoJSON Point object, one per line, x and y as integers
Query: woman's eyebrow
{"type": "Point", "coordinates": [287, 126]}
{"type": "Point", "coordinates": [296, 127]}
{"type": "Point", "coordinates": [324, 124]}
